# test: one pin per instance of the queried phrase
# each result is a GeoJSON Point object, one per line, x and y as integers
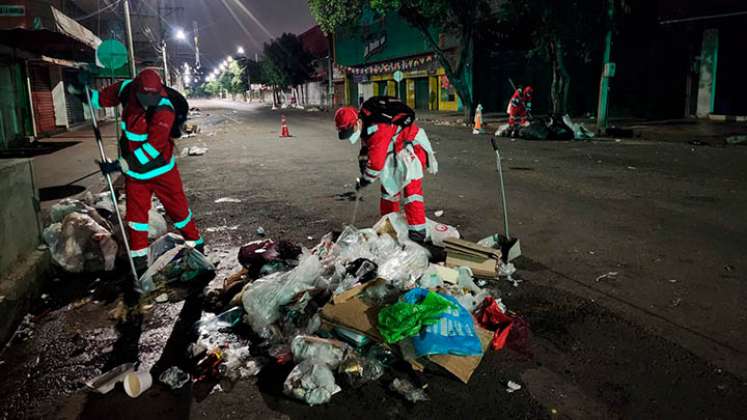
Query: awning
{"type": "Point", "coordinates": [50, 33]}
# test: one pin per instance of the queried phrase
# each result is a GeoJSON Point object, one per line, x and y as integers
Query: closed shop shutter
{"type": "Point", "coordinates": [41, 94]}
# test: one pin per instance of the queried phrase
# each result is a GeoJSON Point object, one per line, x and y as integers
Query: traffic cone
{"type": "Point", "coordinates": [478, 121]}
{"type": "Point", "coordinates": [284, 127]}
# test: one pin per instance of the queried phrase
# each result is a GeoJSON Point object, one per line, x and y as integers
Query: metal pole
{"type": "Point", "coordinates": [100, 143]}
{"type": "Point", "coordinates": [165, 64]}
{"type": "Point", "coordinates": [503, 188]}
{"type": "Point", "coordinates": [197, 45]}
{"type": "Point", "coordinates": [604, 83]}
{"type": "Point", "coordinates": [31, 100]}
{"type": "Point", "coordinates": [130, 47]}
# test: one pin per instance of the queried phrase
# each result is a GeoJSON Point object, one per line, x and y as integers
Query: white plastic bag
{"type": "Point", "coordinates": [263, 298]}
{"type": "Point", "coordinates": [329, 352]}
{"type": "Point", "coordinates": [439, 232]}
{"type": "Point", "coordinates": [311, 382]}
{"type": "Point", "coordinates": [82, 243]}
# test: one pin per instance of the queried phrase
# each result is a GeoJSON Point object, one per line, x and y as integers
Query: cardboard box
{"type": "Point", "coordinates": [480, 266]}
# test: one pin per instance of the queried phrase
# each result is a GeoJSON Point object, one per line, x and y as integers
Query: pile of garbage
{"type": "Point", "coordinates": [344, 312]}
{"type": "Point", "coordinates": [84, 236]}
{"type": "Point", "coordinates": [556, 127]}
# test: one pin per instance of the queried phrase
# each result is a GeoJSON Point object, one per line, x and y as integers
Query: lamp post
{"type": "Point", "coordinates": [179, 35]}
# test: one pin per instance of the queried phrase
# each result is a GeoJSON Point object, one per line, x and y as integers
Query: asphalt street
{"type": "Point", "coordinates": [662, 337]}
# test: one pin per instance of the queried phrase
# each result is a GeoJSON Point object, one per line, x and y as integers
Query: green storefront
{"type": "Point", "coordinates": [15, 115]}
{"type": "Point", "coordinates": [378, 46]}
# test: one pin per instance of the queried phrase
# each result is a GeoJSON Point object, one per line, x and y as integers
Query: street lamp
{"type": "Point", "coordinates": [240, 50]}
{"type": "Point", "coordinates": [229, 58]}
{"type": "Point", "coordinates": [179, 35]}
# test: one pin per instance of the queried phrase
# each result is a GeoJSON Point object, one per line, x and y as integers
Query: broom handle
{"type": "Point", "coordinates": [100, 143]}
{"type": "Point", "coordinates": [503, 188]}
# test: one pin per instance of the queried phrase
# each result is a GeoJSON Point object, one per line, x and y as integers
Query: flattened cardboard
{"type": "Point", "coordinates": [359, 316]}
{"type": "Point", "coordinates": [480, 266]}
{"type": "Point", "coordinates": [471, 248]}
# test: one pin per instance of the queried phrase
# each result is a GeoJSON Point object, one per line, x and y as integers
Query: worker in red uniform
{"type": "Point", "coordinates": [147, 159]}
{"type": "Point", "coordinates": [395, 151]}
{"type": "Point", "coordinates": [519, 107]}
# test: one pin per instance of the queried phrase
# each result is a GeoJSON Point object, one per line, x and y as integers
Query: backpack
{"type": "Point", "coordinates": [387, 110]}
{"type": "Point", "coordinates": [181, 108]}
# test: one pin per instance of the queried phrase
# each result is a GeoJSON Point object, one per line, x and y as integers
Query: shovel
{"type": "Point", "coordinates": [510, 247]}
{"type": "Point", "coordinates": [100, 143]}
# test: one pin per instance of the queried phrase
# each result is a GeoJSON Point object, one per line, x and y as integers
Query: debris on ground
{"type": "Point", "coordinates": [359, 303]}
{"type": "Point", "coordinates": [438, 213]}
{"type": "Point", "coordinates": [408, 390]}
{"type": "Point", "coordinates": [612, 275]}
{"type": "Point", "coordinates": [174, 377]}
{"type": "Point", "coordinates": [105, 382]}
{"type": "Point", "coordinates": [512, 387]}
{"type": "Point", "coordinates": [227, 200]}
{"type": "Point", "coordinates": [196, 151]}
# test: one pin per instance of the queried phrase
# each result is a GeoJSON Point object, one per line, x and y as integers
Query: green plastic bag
{"type": "Point", "coordinates": [402, 319]}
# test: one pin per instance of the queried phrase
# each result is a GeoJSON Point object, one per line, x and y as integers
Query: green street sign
{"type": "Point", "coordinates": [398, 76]}
{"type": "Point", "coordinates": [111, 54]}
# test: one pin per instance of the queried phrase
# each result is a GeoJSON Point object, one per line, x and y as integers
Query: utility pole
{"type": "Point", "coordinates": [165, 63]}
{"type": "Point", "coordinates": [130, 47]}
{"type": "Point", "coordinates": [197, 45]}
{"type": "Point", "coordinates": [608, 71]}
{"type": "Point", "coordinates": [330, 74]}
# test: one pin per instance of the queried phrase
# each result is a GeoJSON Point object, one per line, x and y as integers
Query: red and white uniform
{"type": "Point", "coordinates": [389, 147]}
{"type": "Point", "coordinates": [147, 147]}
{"type": "Point", "coordinates": [519, 106]}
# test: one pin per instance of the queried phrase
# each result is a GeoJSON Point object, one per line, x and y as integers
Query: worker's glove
{"type": "Point", "coordinates": [108, 167]}
{"type": "Point", "coordinates": [361, 183]}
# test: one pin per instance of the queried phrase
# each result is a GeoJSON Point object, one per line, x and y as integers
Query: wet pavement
{"type": "Point", "coordinates": [662, 339]}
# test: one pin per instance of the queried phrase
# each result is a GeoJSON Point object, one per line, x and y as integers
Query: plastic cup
{"type": "Point", "coordinates": [135, 383]}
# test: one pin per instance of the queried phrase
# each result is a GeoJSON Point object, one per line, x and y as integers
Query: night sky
{"type": "Point", "coordinates": [220, 33]}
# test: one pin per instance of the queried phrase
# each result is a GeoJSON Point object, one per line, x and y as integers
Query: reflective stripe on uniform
{"type": "Point", "coordinates": [183, 223]}
{"type": "Point", "coordinates": [372, 129]}
{"type": "Point", "coordinates": [195, 243]}
{"type": "Point", "coordinates": [417, 228]}
{"type": "Point", "coordinates": [133, 136]}
{"type": "Point", "coordinates": [139, 253]}
{"type": "Point", "coordinates": [124, 85]}
{"type": "Point", "coordinates": [154, 173]}
{"type": "Point", "coordinates": [151, 150]}
{"type": "Point", "coordinates": [140, 155]}
{"type": "Point", "coordinates": [140, 227]}
{"type": "Point", "coordinates": [166, 102]}
{"type": "Point", "coordinates": [388, 197]}
{"type": "Point", "coordinates": [95, 100]}
{"type": "Point", "coordinates": [414, 198]}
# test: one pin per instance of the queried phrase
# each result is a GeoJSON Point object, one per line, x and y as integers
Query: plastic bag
{"type": "Point", "coordinates": [439, 232]}
{"type": "Point", "coordinates": [406, 265]}
{"type": "Point", "coordinates": [157, 225]}
{"type": "Point", "coordinates": [263, 298]}
{"type": "Point", "coordinates": [329, 352]}
{"type": "Point", "coordinates": [162, 245]}
{"type": "Point", "coordinates": [406, 318]}
{"type": "Point", "coordinates": [357, 370]}
{"type": "Point", "coordinates": [511, 331]}
{"type": "Point", "coordinates": [408, 390]}
{"type": "Point", "coordinates": [82, 243]}
{"type": "Point", "coordinates": [64, 207]}
{"type": "Point", "coordinates": [183, 263]}
{"type": "Point", "coordinates": [453, 333]}
{"type": "Point", "coordinates": [311, 382]}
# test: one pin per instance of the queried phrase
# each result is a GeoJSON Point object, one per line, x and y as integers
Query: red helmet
{"type": "Point", "coordinates": [345, 120]}
{"type": "Point", "coordinates": [528, 91]}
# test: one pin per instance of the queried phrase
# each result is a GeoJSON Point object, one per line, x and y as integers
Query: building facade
{"type": "Point", "coordinates": [378, 48]}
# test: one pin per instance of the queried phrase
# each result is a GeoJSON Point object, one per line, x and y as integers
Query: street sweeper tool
{"type": "Point", "coordinates": [510, 247]}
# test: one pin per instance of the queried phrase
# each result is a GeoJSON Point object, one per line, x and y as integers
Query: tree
{"type": "Point", "coordinates": [456, 18]}
{"type": "Point", "coordinates": [286, 62]}
{"type": "Point", "coordinates": [563, 32]}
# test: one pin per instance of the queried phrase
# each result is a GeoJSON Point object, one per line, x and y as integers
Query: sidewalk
{"type": "Point", "coordinates": [67, 170]}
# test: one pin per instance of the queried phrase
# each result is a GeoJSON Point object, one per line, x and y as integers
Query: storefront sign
{"type": "Point", "coordinates": [13, 10]}
{"type": "Point", "coordinates": [375, 45]}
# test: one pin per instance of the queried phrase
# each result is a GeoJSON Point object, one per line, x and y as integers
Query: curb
{"type": "Point", "coordinates": [20, 288]}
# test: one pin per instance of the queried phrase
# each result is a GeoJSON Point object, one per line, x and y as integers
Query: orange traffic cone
{"type": "Point", "coordinates": [478, 121]}
{"type": "Point", "coordinates": [284, 127]}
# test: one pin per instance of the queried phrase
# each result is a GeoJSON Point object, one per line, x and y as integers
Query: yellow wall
{"type": "Point", "coordinates": [434, 85]}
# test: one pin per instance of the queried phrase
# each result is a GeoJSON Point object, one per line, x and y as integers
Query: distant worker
{"type": "Point", "coordinates": [147, 159]}
{"type": "Point", "coordinates": [519, 108]}
{"type": "Point", "coordinates": [393, 149]}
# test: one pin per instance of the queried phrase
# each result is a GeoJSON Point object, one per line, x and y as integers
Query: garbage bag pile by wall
{"type": "Point", "coordinates": [400, 306]}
